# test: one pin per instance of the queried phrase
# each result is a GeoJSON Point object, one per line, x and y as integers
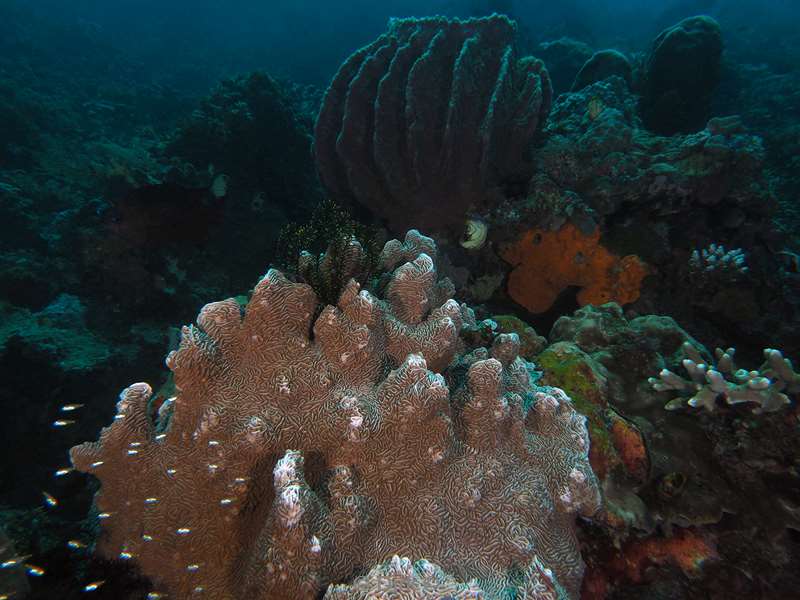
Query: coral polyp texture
{"type": "Point", "coordinates": [430, 119]}
{"type": "Point", "coordinates": [401, 579]}
{"type": "Point", "coordinates": [300, 452]}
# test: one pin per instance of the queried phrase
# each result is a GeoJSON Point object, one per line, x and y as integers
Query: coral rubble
{"type": "Point", "coordinates": [296, 454]}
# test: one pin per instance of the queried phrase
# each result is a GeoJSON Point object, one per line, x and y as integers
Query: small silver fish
{"type": "Point", "coordinates": [34, 570]}
{"type": "Point", "coordinates": [91, 587]}
{"type": "Point", "coordinates": [13, 562]}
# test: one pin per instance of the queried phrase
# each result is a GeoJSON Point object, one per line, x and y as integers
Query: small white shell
{"type": "Point", "coordinates": [475, 233]}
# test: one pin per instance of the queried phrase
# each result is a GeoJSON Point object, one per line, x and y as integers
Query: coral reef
{"type": "Point", "coordinates": [60, 331]}
{"type": "Point", "coordinates": [531, 343]}
{"type": "Point", "coordinates": [564, 58]}
{"type": "Point", "coordinates": [709, 383]}
{"type": "Point", "coordinates": [687, 551]}
{"type": "Point", "coordinates": [399, 578]}
{"type": "Point", "coordinates": [598, 166]}
{"type": "Point", "coordinates": [547, 262]}
{"type": "Point", "coordinates": [286, 462]}
{"type": "Point", "coordinates": [249, 130]}
{"type": "Point", "coordinates": [696, 517]}
{"type": "Point", "coordinates": [661, 198]}
{"type": "Point", "coordinates": [106, 243]}
{"type": "Point", "coordinates": [681, 74]}
{"type": "Point", "coordinates": [427, 470]}
{"type": "Point", "coordinates": [715, 262]}
{"type": "Point", "coordinates": [430, 120]}
{"type": "Point", "coordinates": [404, 579]}
{"type": "Point", "coordinates": [602, 65]}
{"type": "Point", "coordinates": [768, 101]}
{"type": "Point", "coordinates": [613, 164]}
{"type": "Point", "coordinates": [20, 115]}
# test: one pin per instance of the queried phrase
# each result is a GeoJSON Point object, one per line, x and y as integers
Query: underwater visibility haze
{"type": "Point", "coordinates": [455, 299]}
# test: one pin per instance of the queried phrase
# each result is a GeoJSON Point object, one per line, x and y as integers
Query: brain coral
{"type": "Point", "coordinates": [423, 122]}
{"type": "Point", "coordinates": [301, 452]}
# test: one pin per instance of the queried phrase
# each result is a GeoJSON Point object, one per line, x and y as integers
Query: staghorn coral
{"type": "Point", "coordinates": [429, 118]}
{"type": "Point", "coordinates": [715, 266]}
{"type": "Point", "coordinates": [766, 388]}
{"type": "Point", "coordinates": [547, 262]}
{"type": "Point", "coordinates": [299, 454]}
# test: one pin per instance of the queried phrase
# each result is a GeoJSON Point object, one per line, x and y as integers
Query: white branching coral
{"type": "Point", "coordinates": [715, 264]}
{"type": "Point", "coordinates": [766, 388]}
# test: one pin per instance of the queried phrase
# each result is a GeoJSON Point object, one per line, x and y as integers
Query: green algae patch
{"type": "Point", "coordinates": [566, 366]}
{"type": "Point", "coordinates": [531, 343]}
{"type": "Point", "coordinates": [616, 443]}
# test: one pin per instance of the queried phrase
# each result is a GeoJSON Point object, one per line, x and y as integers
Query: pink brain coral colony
{"type": "Point", "coordinates": [365, 446]}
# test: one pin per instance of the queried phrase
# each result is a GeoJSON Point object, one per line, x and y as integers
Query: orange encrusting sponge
{"type": "Point", "coordinates": [546, 262]}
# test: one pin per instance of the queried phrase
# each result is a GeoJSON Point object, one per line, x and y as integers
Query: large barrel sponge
{"type": "Point", "coordinates": [681, 74]}
{"type": "Point", "coordinates": [420, 125]}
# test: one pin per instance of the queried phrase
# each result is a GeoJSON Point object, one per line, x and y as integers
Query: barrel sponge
{"type": "Point", "coordinates": [681, 73]}
{"type": "Point", "coordinates": [420, 124]}
{"type": "Point", "coordinates": [305, 445]}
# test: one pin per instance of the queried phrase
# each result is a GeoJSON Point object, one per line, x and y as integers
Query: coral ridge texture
{"type": "Point", "coordinates": [299, 452]}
